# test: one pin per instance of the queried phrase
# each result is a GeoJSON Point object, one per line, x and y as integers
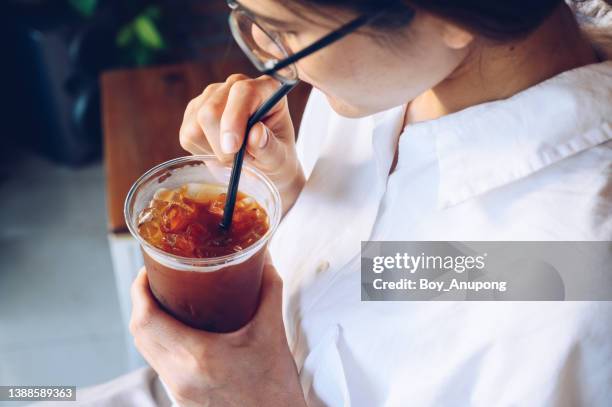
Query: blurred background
{"type": "Point", "coordinates": [93, 95]}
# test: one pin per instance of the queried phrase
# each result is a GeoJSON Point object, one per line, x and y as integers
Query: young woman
{"type": "Point", "coordinates": [428, 120]}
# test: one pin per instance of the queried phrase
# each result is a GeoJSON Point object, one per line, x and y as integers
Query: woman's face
{"type": "Point", "coordinates": [361, 74]}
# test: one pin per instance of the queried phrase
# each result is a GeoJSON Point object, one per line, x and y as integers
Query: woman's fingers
{"type": "Point", "coordinates": [270, 312]}
{"type": "Point", "coordinates": [265, 148]}
{"type": "Point", "coordinates": [208, 117]}
{"type": "Point", "coordinates": [215, 123]}
{"type": "Point", "coordinates": [199, 127]}
{"type": "Point", "coordinates": [191, 135]}
{"type": "Point", "coordinates": [242, 101]}
{"type": "Point", "coordinates": [150, 322]}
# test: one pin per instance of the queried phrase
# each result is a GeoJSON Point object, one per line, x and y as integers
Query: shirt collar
{"type": "Point", "coordinates": [493, 144]}
{"type": "Point", "coordinates": [386, 129]}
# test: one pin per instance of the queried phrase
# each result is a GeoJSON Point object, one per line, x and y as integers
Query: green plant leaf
{"type": "Point", "coordinates": [142, 56]}
{"type": "Point", "coordinates": [85, 7]}
{"type": "Point", "coordinates": [147, 32]}
{"type": "Point", "coordinates": [153, 12]}
{"type": "Point", "coordinates": [125, 36]}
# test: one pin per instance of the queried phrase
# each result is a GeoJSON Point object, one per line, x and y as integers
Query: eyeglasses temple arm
{"type": "Point", "coordinates": [323, 42]}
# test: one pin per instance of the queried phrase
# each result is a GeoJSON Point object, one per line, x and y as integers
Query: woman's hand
{"type": "Point", "coordinates": [250, 367]}
{"type": "Point", "coordinates": [215, 123]}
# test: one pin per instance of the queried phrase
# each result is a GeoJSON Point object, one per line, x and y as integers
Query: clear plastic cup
{"type": "Point", "coordinates": [218, 294]}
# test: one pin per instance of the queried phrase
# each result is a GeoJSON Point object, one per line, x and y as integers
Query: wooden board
{"type": "Point", "coordinates": [142, 110]}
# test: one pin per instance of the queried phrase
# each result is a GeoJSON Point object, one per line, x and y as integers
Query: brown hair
{"type": "Point", "coordinates": [494, 19]}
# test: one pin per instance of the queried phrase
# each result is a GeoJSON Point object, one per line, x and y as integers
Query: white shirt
{"type": "Point", "coordinates": [537, 166]}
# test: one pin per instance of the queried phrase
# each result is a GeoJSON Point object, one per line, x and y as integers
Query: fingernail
{"type": "Point", "coordinates": [228, 142]}
{"type": "Point", "coordinates": [264, 139]}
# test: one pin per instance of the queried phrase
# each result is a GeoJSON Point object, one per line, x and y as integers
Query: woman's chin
{"type": "Point", "coordinates": [346, 109]}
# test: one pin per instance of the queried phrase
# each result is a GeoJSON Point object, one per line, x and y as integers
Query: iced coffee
{"type": "Point", "coordinates": [185, 221]}
{"type": "Point", "coordinates": [202, 274]}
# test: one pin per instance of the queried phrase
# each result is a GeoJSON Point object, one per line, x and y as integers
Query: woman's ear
{"type": "Point", "coordinates": [456, 37]}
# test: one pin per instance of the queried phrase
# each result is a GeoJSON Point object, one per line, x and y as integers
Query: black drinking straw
{"type": "Point", "coordinates": [232, 188]}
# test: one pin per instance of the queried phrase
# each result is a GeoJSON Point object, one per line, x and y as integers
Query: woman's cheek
{"type": "Point", "coordinates": [321, 71]}
{"type": "Point", "coordinates": [312, 68]}
{"type": "Point", "coordinates": [329, 71]}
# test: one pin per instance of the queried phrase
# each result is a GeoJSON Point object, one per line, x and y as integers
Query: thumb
{"type": "Point", "coordinates": [266, 149]}
{"type": "Point", "coordinates": [271, 302]}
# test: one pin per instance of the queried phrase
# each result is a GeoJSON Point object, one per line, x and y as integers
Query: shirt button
{"type": "Point", "coordinates": [322, 266]}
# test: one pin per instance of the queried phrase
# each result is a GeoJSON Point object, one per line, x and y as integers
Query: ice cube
{"type": "Point", "coordinates": [197, 232]}
{"type": "Point", "coordinates": [259, 214]}
{"type": "Point", "coordinates": [184, 246]}
{"type": "Point", "coordinates": [175, 218]}
{"type": "Point", "coordinates": [146, 215]}
{"type": "Point", "coordinates": [151, 233]}
{"type": "Point", "coordinates": [203, 192]}
{"type": "Point", "coordinates": [245, 203]}
{"type": "Point", "coordinates": [216, 207]}
{"type": "Point", "coordinates": [161, 194]}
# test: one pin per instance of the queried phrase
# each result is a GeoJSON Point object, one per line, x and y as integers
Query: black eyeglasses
{"type": "Point", "coordinates": [266, 49]}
